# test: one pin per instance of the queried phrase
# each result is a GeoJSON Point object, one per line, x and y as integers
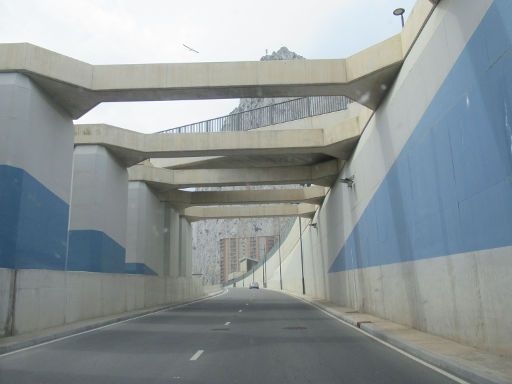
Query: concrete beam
{"type": "Point", "coordinates": [132, 147]}
{"type": "Point", "coordinates": [234, 212]}
{"type": "Point", "coordinates": [165, 179]}
{"type": "Point", "coordinates": [312, 195]}
{"type": "Point", "coordinates": [79, 86]}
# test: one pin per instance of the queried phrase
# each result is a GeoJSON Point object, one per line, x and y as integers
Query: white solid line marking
{"type": "Point", "coordinates": [239, 310]}
{"type": "Point", "coordinates": [433, 367]}
{"type": "Point", "coordinates": [111, 325]}
{"type": "Point", "coordinates": [246, 303]}
{"type": "Point", "coordinates": [227, 323]}
{"type": "Point", "coordinates": [197, 355]}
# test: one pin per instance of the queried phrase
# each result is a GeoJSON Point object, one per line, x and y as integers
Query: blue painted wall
{"type": "Point", "coordinates": [33, 222]}
{"type": "Point", "coordinates": [450, 189]}
{"type": "Point", "coordinates": [34, 232]}
{"type": "Point", "coordinates": [94, 251]}
{"type": "Point", "coordinates": [139, 268]}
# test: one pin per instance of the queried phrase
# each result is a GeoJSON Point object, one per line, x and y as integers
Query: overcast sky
{"type": "Point", "coordinates": [134, 31]}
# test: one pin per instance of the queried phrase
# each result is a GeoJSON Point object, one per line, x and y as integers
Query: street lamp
{"type": "Point", "coordinates": [280, 274]}
{"type": "Point", "coordinates": [265, 271]}
{"type": "Point", "coordinates": [301, 257]}
{"type": "Point", "coordinates": [400, 12]}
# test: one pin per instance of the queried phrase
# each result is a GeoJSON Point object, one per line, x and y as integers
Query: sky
{"type": "Point", "coordinates": [154, 31]}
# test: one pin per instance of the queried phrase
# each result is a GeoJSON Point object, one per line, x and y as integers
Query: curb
{"type": "Point", "coordinates": [442, 362]}
{"type": "Point", "coordinates": [22, 344]}
{"type": "Point", "coordinates": [445, 363]}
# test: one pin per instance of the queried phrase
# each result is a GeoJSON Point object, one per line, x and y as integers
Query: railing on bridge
{"type": "Point", "coordinates": [272, 114]}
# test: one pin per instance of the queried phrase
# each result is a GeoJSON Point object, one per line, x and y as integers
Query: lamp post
{"type": "Point", "coordinates": [279, 249]}
{"type": "Point", "coordinates": [265, 271]}
{"type": "Point", "coordinates": [400, 12]}
{"type": "Point", "coordinates": [301, 257]}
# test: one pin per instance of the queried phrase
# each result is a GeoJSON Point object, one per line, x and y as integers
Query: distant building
{"type": "Point", "coordinates": [234, 249]}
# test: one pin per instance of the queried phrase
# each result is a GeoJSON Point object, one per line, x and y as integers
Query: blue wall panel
{"type": "Point", "coordinates": [450, 189]}
{"type": "Point", "coordinates": [94, 251]}
{"type": "Point", "coordinates": [139, 268]}
{"type": "Point", "coordinates": [33, 222]}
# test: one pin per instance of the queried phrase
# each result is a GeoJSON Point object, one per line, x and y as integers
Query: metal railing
{"type": "Point", "coordinates": [273, 114]}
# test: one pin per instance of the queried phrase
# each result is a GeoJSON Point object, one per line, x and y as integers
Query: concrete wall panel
{"type": "Point", "coordinates": [6, 292]}
{"type": "Point", "coordinates": [47, 299]}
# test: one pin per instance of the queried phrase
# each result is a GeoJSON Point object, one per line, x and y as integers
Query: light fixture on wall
{"type": "Point", "coordinates": [348, 180]}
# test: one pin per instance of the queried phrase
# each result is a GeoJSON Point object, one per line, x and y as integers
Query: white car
{"type": "Point", "coordinates": [254, 285]}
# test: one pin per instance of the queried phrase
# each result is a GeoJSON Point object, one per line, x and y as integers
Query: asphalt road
{"type": "Point", "coordinates": [246, 336]}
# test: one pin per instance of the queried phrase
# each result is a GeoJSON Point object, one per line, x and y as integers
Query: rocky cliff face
{"type": "Point", "coordinates": [206, 234]}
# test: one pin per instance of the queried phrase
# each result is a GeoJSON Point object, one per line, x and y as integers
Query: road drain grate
{"type": "Point", "coordinates": [220, 329]}
{"type": "Point", "coordinates": [295, 327]}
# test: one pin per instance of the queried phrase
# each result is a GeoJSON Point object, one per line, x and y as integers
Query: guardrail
{"type": "Point", "coordinates": [272, 114]}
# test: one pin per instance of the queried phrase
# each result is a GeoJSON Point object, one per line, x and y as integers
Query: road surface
{"type": "Point", "coordinates": [242, 336]}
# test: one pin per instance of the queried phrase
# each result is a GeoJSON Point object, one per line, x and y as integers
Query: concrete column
{"type": "Point", "coordinates": [185, 247]}
{"type": "Point", "coordinates": [36, 149]}
{"type": "Point", "coordinates": [145, 231]}
{"type": "Point", "coordinates": [173, 242]}
{"type": "Point", "coordinates": [97, 234]}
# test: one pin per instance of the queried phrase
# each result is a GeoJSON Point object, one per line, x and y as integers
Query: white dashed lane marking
{"type": "Point", "coordinates": [197, 355]}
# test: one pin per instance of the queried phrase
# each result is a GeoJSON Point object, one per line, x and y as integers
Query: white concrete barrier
{"type": "Point", "coordinates": [45, 299]}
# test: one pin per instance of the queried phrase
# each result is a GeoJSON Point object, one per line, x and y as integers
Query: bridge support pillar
{"type": "Point", "coordinates": [173, 241]}
{"type": "Point", "coordinates": [185, 247]}
{"type": "Point", "coordinates": [97, 228]}
{"type": "Point", "coordinates": [146, 231]}
{"type": "Point", "coordinates": [179, 244]}
{"type": "Point", "coordinates": [36, 148]}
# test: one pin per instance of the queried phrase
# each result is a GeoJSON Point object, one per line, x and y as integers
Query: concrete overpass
{"type": "Point", "coordinates": [78, 86]}
{"type": "Point", "coordinates": [314, 195]}
{"type": "Point", "coordinates": [165, 179]}
{"type": "Point", "coordinates": [334, 140]}
{"type": "Point", "coordinates": [250, 211]}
